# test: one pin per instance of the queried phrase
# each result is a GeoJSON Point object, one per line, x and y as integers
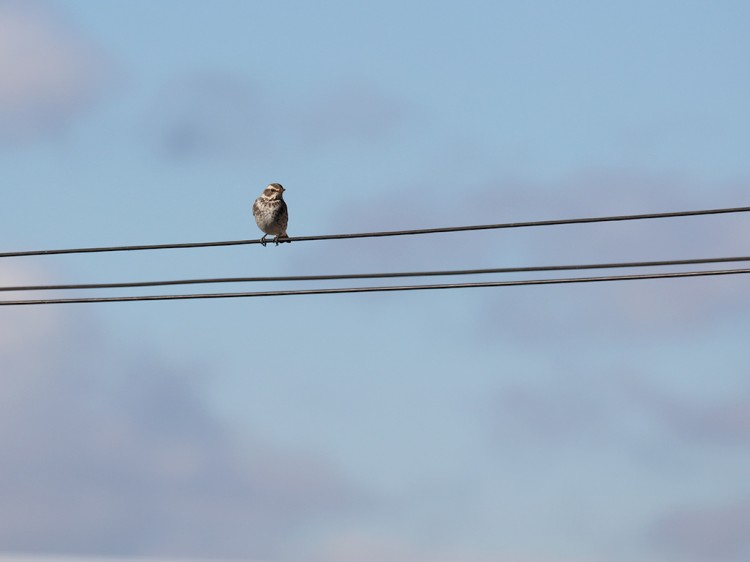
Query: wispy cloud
{"type": "Point", "coordinates": [361, 547]}
{"type": "Point", "coordinates": [350, 111]}
{"type": "Point", "coordinates": [714, 422]}
{"type": "Point", "coordinates": [21, 332]}
{"type": "Point", "coordinates": [663, 305]}
{"type": "Point", "coordinates": [48, 72]}
{"type": "Point", "coordinates": [585, 403]}
{"type": "Point", "coordinates": [211, 114]}
{"type": "Point", "coordinates": [706, 533]}
{"type": "Point", "coordinates": [220, 114]}
{"type": "Point", "coordinates": [113, 451]}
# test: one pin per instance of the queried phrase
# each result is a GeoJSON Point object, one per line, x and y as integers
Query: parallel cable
{"type": "Point", "coordinates": [670, 275]}
{"type": "Point", "coordinates": [350, 276]}
{"type": "Point", "coordinates": [556, 222]}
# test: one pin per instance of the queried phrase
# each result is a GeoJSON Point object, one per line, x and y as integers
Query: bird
{"type": "Point", "coordinates": [271, 214]}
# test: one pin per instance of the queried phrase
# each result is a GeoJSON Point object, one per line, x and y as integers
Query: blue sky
{"type": "Point", "coordinates": [572, 423]}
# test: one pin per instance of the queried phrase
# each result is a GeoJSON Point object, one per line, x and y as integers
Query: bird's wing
{"type": "Point", "coordinates": [284, 213]}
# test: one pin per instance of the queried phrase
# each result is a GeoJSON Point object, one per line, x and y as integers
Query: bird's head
{"type": "Point", "coordinates": [273, 191]}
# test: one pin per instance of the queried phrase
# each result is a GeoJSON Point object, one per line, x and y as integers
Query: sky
{"type": "Point", "coordinates": [573, 423]}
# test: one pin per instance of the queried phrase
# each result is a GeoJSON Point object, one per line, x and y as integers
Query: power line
{"type": "Point", "coordinates": [556, 222]}
{"type": "Point", "coordinates": [350, 276]}
{"type": "Point", "coordinates": [671, 275]}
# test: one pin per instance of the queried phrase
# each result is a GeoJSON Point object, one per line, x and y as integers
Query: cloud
{"type": "Point", "coordinates": [706, 534]}
{"type": "Point", "coordinates": [48, 72]}
{"type": "Point", "coordinates": [627, 308]}
{"type": "Point", "coordinates": [113, 451]}
{"type": "Point", "coordinates": [359, 547]}
{"type": "Point", "coordinates": [220, 114]}
{"type": "Point", "coordinates": [582, 403]}
{"type": "Point", "coordinates": [21, 331]}
{"type": "Point", "coordinates": [714, 422]}
{"type": "Point", "coordinates": [553, 415]}
{"type": "Point", "coordinates": [670, 445]}
{"type": "Point", "coordinates": [211, 114]}
{"type": "Point", "coordinates": [353, 111]}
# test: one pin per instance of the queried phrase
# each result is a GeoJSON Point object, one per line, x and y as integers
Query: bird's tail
{"type": "Point", "coordinates": [284, 237]}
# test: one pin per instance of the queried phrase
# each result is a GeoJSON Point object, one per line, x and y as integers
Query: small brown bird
{"type": "Point", "coordinates": [271, 214]}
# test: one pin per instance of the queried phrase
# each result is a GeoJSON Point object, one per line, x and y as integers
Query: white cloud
{"type": "Point", "coordinates": [114, 451]}
{"type": "Point", "coordinates": [352, 111]}
{"type": "Point", "coordinates": [361, 547]}
{"type": "Point", "coordinates": [211, 114]}
{"type": "Point", "coordinates": [706, 533]}
{"type": "Point", "coordinates": [48, 73]}
{"type": "Point", "coordinates": [25, 330]}
{"type": "Point", "coordinates": [220, 114]}
{"type": "Point", "coordinates": [629, 308]}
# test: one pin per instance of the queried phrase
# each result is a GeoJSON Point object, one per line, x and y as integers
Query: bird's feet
{"type": "Point", "coordinates": [263, 241]}
{"type": "Point", "coordinates": [281, 238]}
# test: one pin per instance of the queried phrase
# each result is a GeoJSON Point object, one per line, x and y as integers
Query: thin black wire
{"type": "Point", "coordinates": [380, 234]}
{"type": "Point", "coordinates": [380, 289]}
{"type": "Point", "coordinates": [339, 277]}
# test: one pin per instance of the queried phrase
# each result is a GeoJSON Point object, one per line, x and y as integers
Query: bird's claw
{"type": "Point", "coordinates": [263, 241]}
